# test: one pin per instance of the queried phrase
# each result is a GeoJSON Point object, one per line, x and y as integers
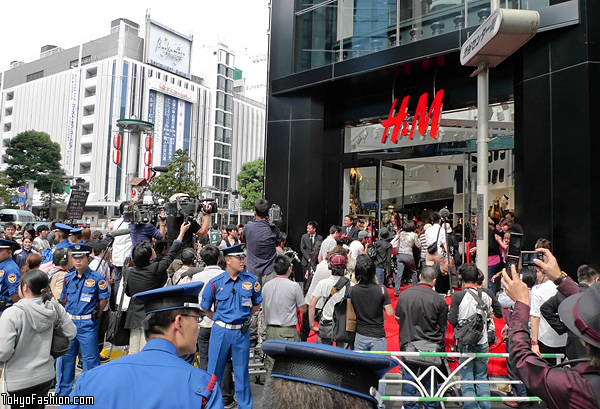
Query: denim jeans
{"type": "Point", "coordinates": [380, 273]}
{"type": "Point", "coordinates": [410, 390]}
{"type": "Point", "coordinates": [476, 370]}
{"type": "Point", "coordinates": [404, 261]}
{"type": "Point", "coordinates": [363, 343]}
{"type": "Point", "coordinates": [492, 270]}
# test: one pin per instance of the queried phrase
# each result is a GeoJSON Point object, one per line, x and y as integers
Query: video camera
{"type": "Point", "coordinates": [139, 213]}
{"type": "Point", "coordinates": [188, 206]}
{"type": "Point", "coordinates": [275, 215]}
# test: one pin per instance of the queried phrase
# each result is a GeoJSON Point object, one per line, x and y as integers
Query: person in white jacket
{"type": "Point", "coordinates": [26, 337]}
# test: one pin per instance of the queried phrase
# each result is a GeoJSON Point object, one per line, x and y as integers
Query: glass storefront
{"type": "Point", "coordinates": [417, 177]}
{"type": "Point", "coordinates": [331, 31]}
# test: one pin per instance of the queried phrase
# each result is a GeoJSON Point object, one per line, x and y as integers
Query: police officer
{"type": "Point", "coordinates": [62, 236]}
{"type": "Point", "coordinates": [156, 377]}
{"type": "Point", "coordinates": [9, 275]}
{"type": "Point", "coordinates": [84, 295]}
{"type": "Point", "coordinates": [75, 235]}
{"type": "Point", "coordinates": [235, 295]}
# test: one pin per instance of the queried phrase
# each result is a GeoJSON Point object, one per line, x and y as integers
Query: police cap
{"type": "Point", "coordinates": [237, 250]}
{"type": "Point", "coordinates": [73, 231]}
{"type": "Point", "coordinates": [171, 298]}
{"type": "Point", "coordinates": [8, 244]}
{"type": "Point", "coordinates": [63, 228]}
{"type": "Point", "coordinates": [80, 250]}
{"type": "Point", "coordinates": [328, 366]}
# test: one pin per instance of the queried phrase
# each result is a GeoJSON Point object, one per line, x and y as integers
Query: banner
{"type": "Point", "coordinates": [72, 123]}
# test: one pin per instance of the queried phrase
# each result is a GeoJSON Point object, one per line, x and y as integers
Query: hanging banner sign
{"type": "Point", "coordinates": [399, 122]}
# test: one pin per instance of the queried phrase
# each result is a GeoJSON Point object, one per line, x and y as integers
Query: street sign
{"type": "Point", "coordinates": [13, 199]}
{"type": "Point", "coordinates": [21, 200]}
{"type": "Point", "coordinates": [21, 189]}
{"type": "Point", "coordinates": [76, 204]}
{"type": "Point", "coordinates": [230, 210]}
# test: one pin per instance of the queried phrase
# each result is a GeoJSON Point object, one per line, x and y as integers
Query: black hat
{"type": "Point", "coordinates": [9, 244]}
{"type": "Point", "coordinates": [328, 366]}
{"type": "Point", "coordinates": [171, 298]}
{"type": "Point", "coordinates": [579, 313]}
{"type": "Point", "coordinates": [384, 233]}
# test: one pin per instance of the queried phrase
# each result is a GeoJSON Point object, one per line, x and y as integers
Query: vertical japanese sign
{"type": "Point", "coordinates": [169, 129]}
{"type": "Point", "coordinates": [72, 123]}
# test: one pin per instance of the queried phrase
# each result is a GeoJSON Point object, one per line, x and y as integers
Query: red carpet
{"type": "Point", "coordinates": [497, 366]}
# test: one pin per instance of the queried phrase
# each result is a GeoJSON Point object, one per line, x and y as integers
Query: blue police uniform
{"type": "Point", "coordinates": [233, 300]}
{"type": "Point", "coordinates": [156, 377]}
{"type": "Point", "coordinates": [63, 244]}
{"type": "Point", "coordinates": [10, 276]}
{"type": "Point", "coordinates": [81, 296]}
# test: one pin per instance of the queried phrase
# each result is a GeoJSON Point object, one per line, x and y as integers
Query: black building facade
{"type": "Point", "coordinates": [335, 65]}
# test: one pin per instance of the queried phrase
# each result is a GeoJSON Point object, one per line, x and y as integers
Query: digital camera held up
{"type": "Point", "coordinates": [275, 215]}
{"type": "Point", "coordinates": [183, 205]}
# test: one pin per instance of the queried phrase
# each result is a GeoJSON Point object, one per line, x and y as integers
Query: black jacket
{"type": "Point", "coordinates": [143, 279]}
{"type": "Point", "coordinates": [307, 249]}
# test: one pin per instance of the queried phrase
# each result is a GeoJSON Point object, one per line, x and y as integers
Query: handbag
{"type": "Point", "coordinates": [422, 346]}
{"type": "Point", "coordinates": [433, 248]}
{"type": "Point", "coordinates": [60, 342]}
{"type": "Point", "coordinates": [3, 388]}
{"type": "Point", "coordinates": [116, 333]}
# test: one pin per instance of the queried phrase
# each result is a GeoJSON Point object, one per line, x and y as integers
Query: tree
{"type": "Point", "coordinates": [251, 182]}
{"type": "Point", "coordinates": [179, 178]}
{"type": "Point", "coordinates": [33, 156]}
{"type": "Point", "coordinates": [6, 191]}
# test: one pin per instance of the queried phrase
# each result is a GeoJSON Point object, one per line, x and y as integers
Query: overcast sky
{"type": "Point", "coordinates": [27, 25]}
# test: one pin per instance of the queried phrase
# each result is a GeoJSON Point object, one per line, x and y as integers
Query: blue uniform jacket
{"type": "Point", "coordinates": [233, 299]}
{"type": "Point", "coordinates": [10, 276]}
{"type": "Point", "coordinates": [63, 244]}
{"type": "Point", "coordinates": [154, 378]}
{"type": "Point", "coordinates": [82, 294]}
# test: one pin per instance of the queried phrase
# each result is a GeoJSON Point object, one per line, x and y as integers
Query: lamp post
{"type": "Point", "coordinates": [77, 180]}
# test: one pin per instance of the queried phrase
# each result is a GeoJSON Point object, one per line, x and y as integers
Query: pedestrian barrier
{"type": "Point", "coordinates": [448, 381]}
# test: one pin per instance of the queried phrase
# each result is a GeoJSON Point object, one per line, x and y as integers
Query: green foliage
{"type": "Point", "coordinates": [6, 191]}
{"type": "Point", "coordinates": [33, 156]}
{"type": "Point", "coordinates": [179, 178]}
{"type": "Point", "coordinates": [251, 182]}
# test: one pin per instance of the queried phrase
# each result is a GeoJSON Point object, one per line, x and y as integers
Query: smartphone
{"type": "Point", "coordinates": [511, 260]}
{"type": "Point", "coordinates": [527, 257]}
{"type": "Point", "coordinates": [514, 245]}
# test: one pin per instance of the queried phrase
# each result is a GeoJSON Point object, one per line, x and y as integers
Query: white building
{"type": "Point", "coordinates": [76, 95]}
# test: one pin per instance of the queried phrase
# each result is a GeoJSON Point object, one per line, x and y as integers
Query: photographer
{"type": "Point", "coordinates": [147, 231]}
{"type": "Point", "coordinates": [175, 221]}
{"type": "Point", "coordinates": [144, 276]}
{"type": "Point", "coordinates": [261, 242]}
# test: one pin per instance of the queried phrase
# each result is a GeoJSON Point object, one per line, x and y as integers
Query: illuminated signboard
{"type": "Point", "coordinates": [167, 49]}
{"type": "Point", "coordinates": [399, 122]}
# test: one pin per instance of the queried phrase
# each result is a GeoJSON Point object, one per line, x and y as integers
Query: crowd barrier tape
{"type": "Point", "coordinates": [448, 382]}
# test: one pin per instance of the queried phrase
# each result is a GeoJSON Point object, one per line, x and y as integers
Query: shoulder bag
{"type": "Point", "coordinates": [60, 342]}
{"type": "Point", "coordinates": [433, 248]}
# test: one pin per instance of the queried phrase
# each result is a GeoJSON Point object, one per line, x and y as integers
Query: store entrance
{"type": "Point", "coordinates": [375, 192]}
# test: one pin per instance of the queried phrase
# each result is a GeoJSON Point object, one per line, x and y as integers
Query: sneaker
{"type": "Point", "coordinates": [511, 404]}
{"type": "Point", "coordinates": [104, 359]}
{"type": "Point", "coordinates": [506, 388]}
{"type": "Point", "coordinates": [232, 405]}
{"type": "Point", "coordinates": [80, 365]}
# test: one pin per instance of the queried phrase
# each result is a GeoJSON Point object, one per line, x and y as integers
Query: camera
{"type": "Point", "coordinates": [187, 207]}
{"type": "Point", "coordinates": [275, 215]}
{"type": "Point", "coordinates": [142, 214]}
{"type": "Point", "coordinates": [527, 257]}
{"type": "Point", "coordinates": [514, 246]}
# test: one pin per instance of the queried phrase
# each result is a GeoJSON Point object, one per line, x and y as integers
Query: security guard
{"type": "Point", "coordinates": [62, 236]}
{"type": "Point", "coordinates": [84, 295]}
{"type": "Point", "coordinates": [156, 377]}
{"type": "Point", "coordinates": [10, 275]}
{"type": "Point", "coordinates": [75, 235]}
{"type": "Point", "coordinates": [236, 296]}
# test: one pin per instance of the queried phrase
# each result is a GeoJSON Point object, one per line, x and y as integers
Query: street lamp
{"type": "Point", "coordinates": [77, 180]}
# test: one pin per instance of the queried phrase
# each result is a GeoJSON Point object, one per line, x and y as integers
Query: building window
{"type": "Point", "coordinates": [229, 72]}
{"type": "Point", "coordinates": [87, 129]}
{"type": "Point", "coordinates": [8, 111]}
{"type": "Point", "coordinates": [229, 86]}
{"type": "Point", "coordinates": [35, 76]}
{"type": "Point", "coordinates": [221, 167]}
{"type": "Point", "coordinates": [7, 127]}
{"type": "Point", "coordinates": [91, 72]}
{"type": "Point", "coordinates": [220, 100]}
{"type": "Point", "coordinates": [228, 119]}
{"type": "Point", "coordinates": [89, 110]}
{"type": "Point", "coordinates": [220, 118]}
{"type": "Point", "coordinates": [221, 83]}
{"type": "Point", "coordinates": [228, 103]}
{"type": "Point", "coordinates": [222, 69]}
{"type": "Point", "coordinates": [90, 91]}
{"type": "Point", "coordinates": [221, 183]}
{"type": "Point", "coordinates": [10, 95]}
{"type": "Point", "coordinates": [227, 136]}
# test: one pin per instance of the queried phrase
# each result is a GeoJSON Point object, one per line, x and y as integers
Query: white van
{"type": "Point", "coordinates": [18, 217]}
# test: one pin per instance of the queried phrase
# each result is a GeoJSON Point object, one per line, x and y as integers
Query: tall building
{"type": "Point", "coordinates": [78, 94]}
{"type": "Point", "coordinates": [336, 69]}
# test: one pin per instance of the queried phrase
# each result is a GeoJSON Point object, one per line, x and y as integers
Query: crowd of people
{"type": "Point", "coordinates": [186, 288]}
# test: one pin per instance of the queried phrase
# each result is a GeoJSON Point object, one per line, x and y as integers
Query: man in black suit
{"type": "Point", "coordinates": [307, 246]}
{"type": "Point", "coordinates": [144, 276]}
{"type": "Point", "coordinates": [349, 231]}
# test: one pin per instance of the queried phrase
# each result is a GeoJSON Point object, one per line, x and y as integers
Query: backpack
{"type": "Point", "coordinates": [469, 332]}
{"type": "Point", "coordinates": [340, 315]}
{"type": "Point", "coordinates": [372, 251]}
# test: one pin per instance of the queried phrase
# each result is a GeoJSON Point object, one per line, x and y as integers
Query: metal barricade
{"type": "Point", "coordinates": [448, 381]}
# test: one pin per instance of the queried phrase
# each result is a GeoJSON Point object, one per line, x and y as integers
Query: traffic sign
{"type": "Point", "coordinates": [21, 199]}
{"type": "Point", "coordinates": [133, 193]}
{"type": "Point", "coordinates": [21, 189]}
{"type": "Point", "coordinates": [13, 199]}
